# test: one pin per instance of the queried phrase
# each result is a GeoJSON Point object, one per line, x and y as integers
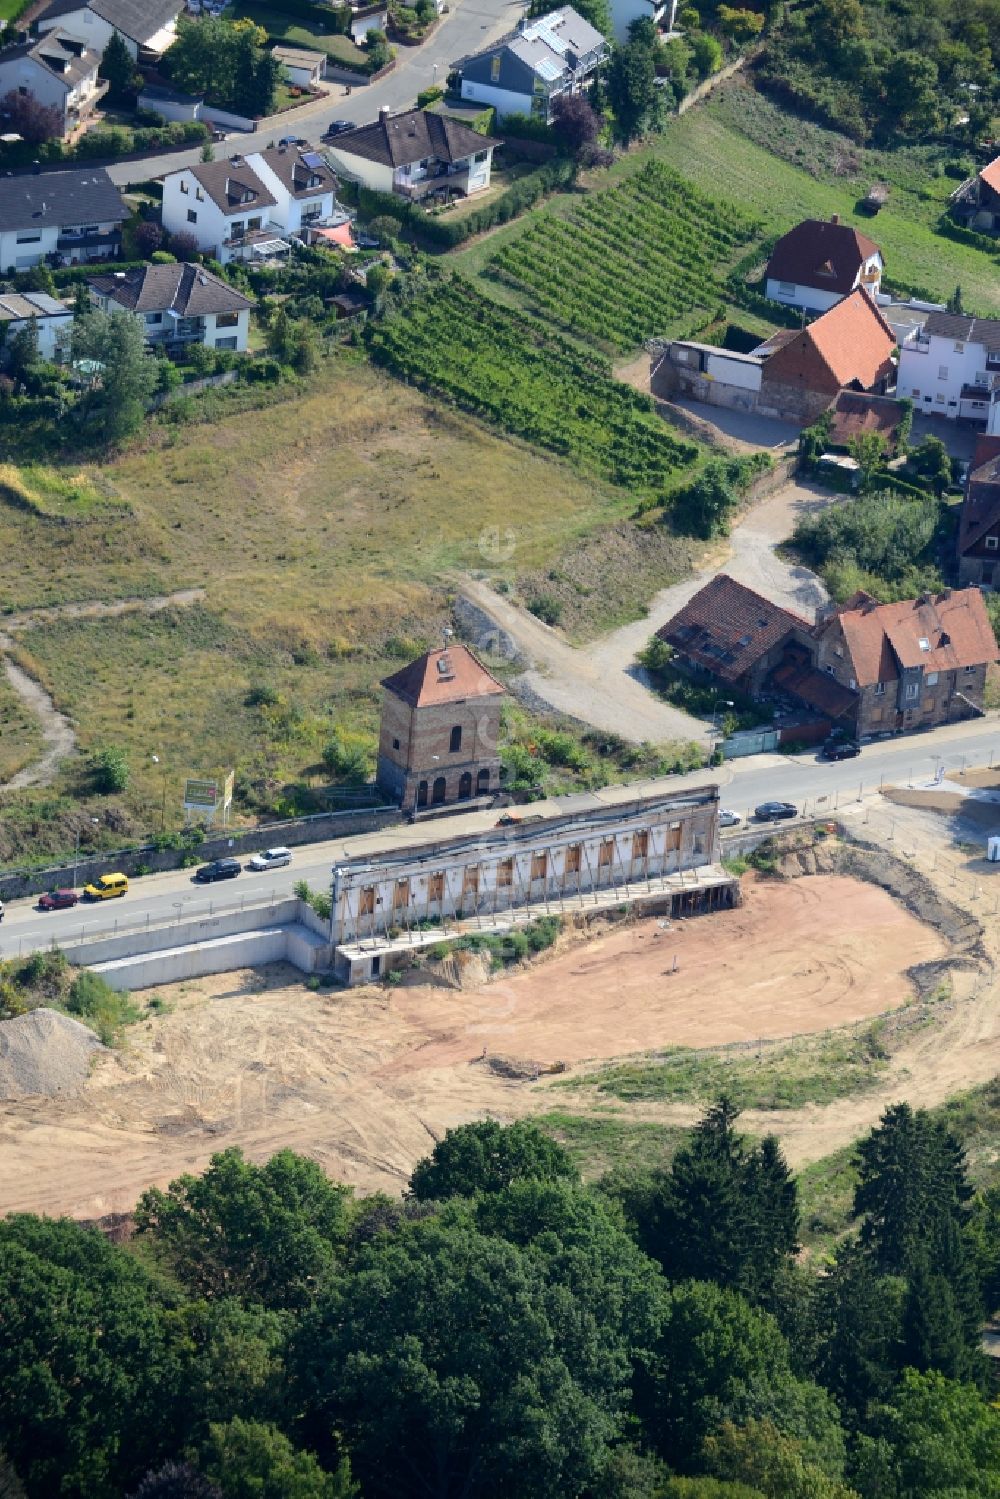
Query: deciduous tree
{"type": "Point", "coordinates": [487, 1157]}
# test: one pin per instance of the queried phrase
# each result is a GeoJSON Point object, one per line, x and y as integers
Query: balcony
{"type": "Point", "coordinates": [91, 244]}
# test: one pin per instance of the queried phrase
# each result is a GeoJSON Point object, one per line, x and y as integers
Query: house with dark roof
{"type": "Point", "coordinates": [440, 730]}
{"type": "Point", "coordinates": [976, 204]}
{"type": "Point", "coordinates": [415, 154]}
{"type": "Point", "coordinates": [979, 525]}
{"type": "Point", "coordinates": [911, 665]}
{"type": "Point", "coordinates": [68, 217]}
{"type": "Point", "coordinates": [243, 202]}
{"type": "Point", "coordinates": [59, 72]}
{"type": "Point", "coordinates": [730, 632]}
{"type": "Point", "coordinates": [147, 27]}
{"type": "Point", "coordinates": [820, 261]}
{"type": "Point", "coordinates": [950, 366]}
{"type": "Point", "coordinates": [179, 305]}
{"type": "Point", "coordinates": [524, 71]}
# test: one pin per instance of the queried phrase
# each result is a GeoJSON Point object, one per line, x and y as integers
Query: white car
{"type": "Point", "coordinates": [270, 858]}
{"type": "Point", "coordinates": [729, 819]}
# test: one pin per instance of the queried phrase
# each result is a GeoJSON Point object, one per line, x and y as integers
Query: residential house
{"type": "Point", "coordinates": [868, 668]}
{"type": "Point", "coordinates": [912, 665]}
{"type": "Point", "coordinates": [19, 310]}
{"type": "Point", "coordinates": [179, 305]}
{"type": "Point", "coordinates": [415, 154]}
{"type": "Point", "coordinates": [976, 204]}
{"type": "Point", "coordinates": [951, 366]}
{"type": "Point", "coordinates": [731, 633]}
{"type": "Point", "coordinates": [303, 69]}
{"type": "Point", "coordinates": [69, 216]}
{"type": "Point", "coordinates": [365, 18]}
{"type": "Point", "coordinates": [820, 261]}
{"type": "Point", "coordinates": [440, 730]}
{"type": "Point", "coordinates": [979, 527]}
{"type": "Point", "coordinates": [147, 27]}
{"type": "Point", "coordinates": [850, 347]}
{"type": "Point", "coordinates": [59, 72]}
{"type": "Point", "coordinates": [793, 375]}
{"type": "Point", "coordinates": [523, 72]}
{"type": "Point", "coordinates": [856, 414]}
{"type": "Point", "coordinates": [234, 206]}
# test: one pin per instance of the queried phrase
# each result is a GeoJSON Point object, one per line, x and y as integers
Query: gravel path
{"type": "Point", "coordinates": [600, 682]}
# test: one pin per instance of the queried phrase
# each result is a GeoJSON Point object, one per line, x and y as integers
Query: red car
{"type": "Point", "coordinates": [57, 900]}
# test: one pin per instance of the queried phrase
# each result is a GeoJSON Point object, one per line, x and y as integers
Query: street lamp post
{"type": "Point", "coordinates": [720, 702]}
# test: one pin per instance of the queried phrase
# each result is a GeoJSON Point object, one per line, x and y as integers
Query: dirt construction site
{"type": "Point", "coordinates": [365, 1080]}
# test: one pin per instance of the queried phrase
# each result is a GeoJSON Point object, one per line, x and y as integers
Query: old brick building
{"type": "Point", "coordinates": [440, 730]}
{"type": "Point", "coordinates": [979, 529]}
{"type": "Point", "coordinates": [850, 347]}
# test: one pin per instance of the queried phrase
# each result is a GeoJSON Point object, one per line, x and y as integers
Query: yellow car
{"type": "Point", "coordinates": [106, 887]}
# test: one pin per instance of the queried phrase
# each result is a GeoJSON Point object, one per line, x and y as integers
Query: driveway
{"type": "Point", "coordinates": [600, 682]}
{"type": "Point", "coordinates": [748, 430]}
{"type": "Point", "coordinates": [469, 25]}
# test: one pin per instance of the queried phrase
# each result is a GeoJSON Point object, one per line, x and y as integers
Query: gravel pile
{"type": "Point", "coordinates": [45, 1052]}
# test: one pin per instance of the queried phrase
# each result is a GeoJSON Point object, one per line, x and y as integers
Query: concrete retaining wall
{"type": "Point", "coordinates": [294, 833]}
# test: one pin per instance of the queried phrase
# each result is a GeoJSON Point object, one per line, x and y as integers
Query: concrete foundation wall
{"type": "Point", "coordinates": [169, 966]}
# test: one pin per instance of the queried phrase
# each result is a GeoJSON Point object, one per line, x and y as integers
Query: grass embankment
{"type": "Point", "coordinates": [322, 529]}
{"type": "Point", "coordinates": [815, 1069]}
{"type": "Point", "coordinates": [20, 736]}
{"type": "Point", "coordinates": [602, 1142]}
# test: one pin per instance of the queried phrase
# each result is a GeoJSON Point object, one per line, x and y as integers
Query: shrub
{"type": "Point", "coordinates": [148, 237]}
{"type": "Point", "coordinates": [105, 1009]}
{"type": "Point", "coordinates": [111, 770]}
{"type": "Point", "coordinates": [546, 608]}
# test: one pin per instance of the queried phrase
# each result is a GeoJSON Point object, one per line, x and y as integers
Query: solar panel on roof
{"type": "Point", "coordinates": [548, 70]}
{"type": "Point", "coordinates": [313, 159]}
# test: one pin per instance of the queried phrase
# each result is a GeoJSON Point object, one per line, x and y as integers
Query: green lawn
{"type": "Point", "coordinates": [298, 33]}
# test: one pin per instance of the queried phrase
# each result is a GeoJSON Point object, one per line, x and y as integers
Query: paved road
{"type": "Point", "coordinates": [600, 682]}
{"type": "Point", "coordinates": [470, 24]}
{"type": "Point", "coordinates": [162, 899]}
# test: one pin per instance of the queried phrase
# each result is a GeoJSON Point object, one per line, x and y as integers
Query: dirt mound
{"type": "Point", "coordinates": [45, 1052]}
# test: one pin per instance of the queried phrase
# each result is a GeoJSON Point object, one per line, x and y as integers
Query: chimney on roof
{"type": "Point", "coordinates": [36, 168]}
{"type": "Point", "coordinates": [835, 218]}
{"type": "Point", "coordinates": [385, 112]}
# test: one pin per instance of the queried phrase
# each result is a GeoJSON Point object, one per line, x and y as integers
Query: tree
{"type": "Point", "coordinates": [955, 300]}
{"type": "Point", "coordinates": [148, 237]}
{"type": "Point", "coordinates": [266, 1233]}
{"type": "Point", "coordinates": [760, 1455]}
{"type": "Point", "coordinates": [705, 506]}
{"type": "Point", "coordinates": [177, 1481]}
{"type": "Point", "coordinates": [25, 116]}
{"type": "Point", "coordinates": [111, 772]}
{"type": "Point", "coordinates": [911, 93]}
{"type": "Point", "coordinates": [454, 1366]}
{"type": "Point", "coordinates": [631, 86]}
{"type": "Point", "coordinates": [911, 1178]}
{"type": "Point", "coordinates": [706, 53]}
{"type": "Point", "coordinates": [252, 1460]}
{"type": "Point", "coordinates": [859, 1316]}
{"type": "Point", "coordinates": [740, 25]}
{"type": "Point", "coordinates": [115, 406]}
{"type": "Point", "coordinates": [184, 245]}
{"type": "Point", "coordinates": [487, 1157]}
{"type": "Point", "coordinates": [22, 353]}
{"type": "Point", "coordinates": [943, 1315]}
{"type": "Point", "coordinates": [118, 67]}
{"type": "Point", "coordinates": [868, 449]}
{"type": "Point", "coordinates": [225, 61]}
{"type": "Point", "coordinates": [574, 122]}
{"type": "Point", "coordinates": [937, 1438]}
{"type": "Point", "coordinates": [932, 461]}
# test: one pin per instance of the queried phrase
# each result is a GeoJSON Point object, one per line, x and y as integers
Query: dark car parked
{"type": "Point", "coordinates": [57, 900]}
{"type": "Point", "coordinates": [840, 749]}
{"type": "Point", "coordinates": [337, 127]}
{"type": "Point", "coordinates": [774, 811]}
{"type": "Point", "coordinates": [219, 869]}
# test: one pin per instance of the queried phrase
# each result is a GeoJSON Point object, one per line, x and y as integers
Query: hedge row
{"type": "Point", "coordinates": [947, 226]}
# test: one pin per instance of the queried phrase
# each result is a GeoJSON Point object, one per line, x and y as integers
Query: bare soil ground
{"type": "Point", "coordinates": [364, 1081]}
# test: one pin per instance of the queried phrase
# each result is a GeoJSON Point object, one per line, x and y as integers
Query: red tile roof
{"type": "Point", "coordinates": [882, 638]}
{"type": "Point", "coordinates": [821, 254]}
{"type": "Point", "coordinates": [815, 687]}
{"type": "Point", "coordinates": [726, 627]}
{"type": "Point", "coordinates": [446, 676]}
{"type": "Point", "coordinates": [991, 174]}
{"type": "Point", "coordinates": [854, 340]}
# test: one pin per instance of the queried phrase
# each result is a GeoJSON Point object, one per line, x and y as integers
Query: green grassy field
{"type": "Point", "coordinates": [324, 529]}
{"type": "Point", "coordinates": [608, 1141]}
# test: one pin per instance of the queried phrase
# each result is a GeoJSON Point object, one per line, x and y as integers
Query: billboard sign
{"type": "Point", "coordinates": [227, 790]}
{"type": "Point", "coordinates": [201, 795]}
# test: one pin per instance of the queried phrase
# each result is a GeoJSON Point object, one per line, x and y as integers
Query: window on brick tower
{"type": "Point", "coordinates": [456, 740]}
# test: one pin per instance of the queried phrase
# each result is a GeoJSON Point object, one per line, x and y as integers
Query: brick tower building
{"type": "Point", "coordinates": [440, 730]}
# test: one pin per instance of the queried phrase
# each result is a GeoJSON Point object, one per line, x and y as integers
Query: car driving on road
{"type": "Point", "coordinates": [106, 887]}
{"type": "Point", "coordinates": [270, 858]}
{"type": "Point", "coordinates": [57, 900]}
{"type": "Point", "coordinates": [774, 811]}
